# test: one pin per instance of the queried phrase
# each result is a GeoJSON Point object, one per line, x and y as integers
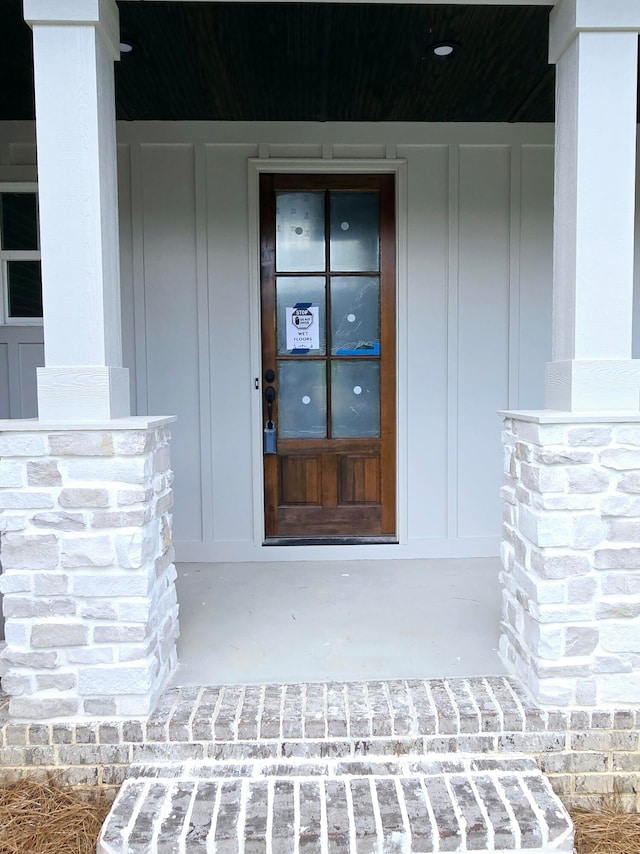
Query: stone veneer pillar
{"type": "Point", "coordinates": [571, 556]}
{"type": "Point", "coordinates": [87, 567]}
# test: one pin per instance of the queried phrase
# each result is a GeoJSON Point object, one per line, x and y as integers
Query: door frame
{"type": "Point", "coordinates": [398, 168]}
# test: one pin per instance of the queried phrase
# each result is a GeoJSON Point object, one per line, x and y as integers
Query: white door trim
{"type": "Point", "coordinates": [397, 167]}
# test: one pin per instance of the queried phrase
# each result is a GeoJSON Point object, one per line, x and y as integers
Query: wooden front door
{"type": "Point", "coordinates": [328, 357]}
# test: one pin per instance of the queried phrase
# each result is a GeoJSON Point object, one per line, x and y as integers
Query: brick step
{"type": "Point", "coordinates": [358, 805]}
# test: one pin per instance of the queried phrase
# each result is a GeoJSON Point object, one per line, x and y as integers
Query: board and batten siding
{"type": "Point", "coordinates": [474, 320]}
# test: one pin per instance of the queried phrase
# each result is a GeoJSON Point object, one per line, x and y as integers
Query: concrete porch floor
{"type": "Point", "coordinates": [257, 623]}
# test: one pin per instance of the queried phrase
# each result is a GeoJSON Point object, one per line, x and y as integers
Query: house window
{"type": "Point", "coordinates": [21, 284]}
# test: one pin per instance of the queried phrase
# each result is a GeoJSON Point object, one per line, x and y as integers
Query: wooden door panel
{"type": "Point", "coordinates": [332, 477]}
{"type": "Point", "coordinates": [301, 480]}
{"type": "Point", "coordinates": [360, 480]}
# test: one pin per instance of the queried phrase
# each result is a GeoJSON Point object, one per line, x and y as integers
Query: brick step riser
{"type": "Point", "coordinates": [585, 753]}
{"type": "Point", "coordinates": [431, 805]}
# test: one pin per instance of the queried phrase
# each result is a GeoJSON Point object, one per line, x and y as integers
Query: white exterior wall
{"type": "Point", "coordinates": [474, 321]}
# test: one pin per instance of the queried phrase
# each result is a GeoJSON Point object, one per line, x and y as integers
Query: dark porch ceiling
{"type": "Point", "coordinates": [312, 62]}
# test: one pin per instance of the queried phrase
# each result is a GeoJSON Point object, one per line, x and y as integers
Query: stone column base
{"type": "Point", "coordinates": [571, 556]}
{"type": "Point", "coordinates": [91, 616]}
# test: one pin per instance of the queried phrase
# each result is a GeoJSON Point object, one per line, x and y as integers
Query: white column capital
{"type": "Point", "coordinates": [571, 17]}
{"type": "Point", "coordinates": [101, 14]}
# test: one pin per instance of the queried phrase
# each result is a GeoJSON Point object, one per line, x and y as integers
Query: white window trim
{"type": "Point", "coordinates": [7, 255]}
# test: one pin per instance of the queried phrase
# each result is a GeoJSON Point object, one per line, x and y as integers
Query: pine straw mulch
{"type": "Point", "coordinates": [46, 818]}
{"type": "Point", "coordinates": [607, 830]}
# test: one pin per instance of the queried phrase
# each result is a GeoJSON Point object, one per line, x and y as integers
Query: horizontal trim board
{"type": "Point", "coordinates": [328, 166]}
{"type": "Point", "coordinates": [245, 551]}
{"type": "Point", "coordinates": [18, 178]}
{"type": "Point", "coordinates": [329, 541]}
{"type": "Point", "coordinates": [422, 2]}
{"type": "Point", "coordinates": [399, 134]}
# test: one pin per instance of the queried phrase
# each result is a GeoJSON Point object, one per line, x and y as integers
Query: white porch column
{"type": "Point", "coordinates": [75, 43]}
{"type": "Point", "coordinates": [594, 45]}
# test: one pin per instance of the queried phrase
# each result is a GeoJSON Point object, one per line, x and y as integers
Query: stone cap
{"type": "Point", "coordinates": [556, 416]}
{"type": "Point", "coordinates": [133, 422]}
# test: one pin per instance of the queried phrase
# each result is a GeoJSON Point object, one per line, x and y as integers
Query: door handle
{"type": "Point", "coordinates": [270, 396]}
{"type": "Point", "coordinates": [269, 429]}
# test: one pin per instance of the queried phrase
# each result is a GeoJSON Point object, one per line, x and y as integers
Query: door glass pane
{"type": "Point", "coordinates": [300, 232]}
{"type": "Point", "coordinates": [301, 315]}
{"type": "Point", "coordinates": [25, 289]}
{"type": "Point", "coordinates": [355, 315]}
{"type": "Point", "coordinates": [302, 400]}
{"type": "Point", "coordinates": [354, 232]}
{"type": "Point", "coordinates": [355, 399]}
{"type": "Point", "coordinates": [19, 221]}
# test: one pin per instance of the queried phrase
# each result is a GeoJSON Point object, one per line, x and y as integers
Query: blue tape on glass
{"type": "Point", "coordinates": [373, 350]}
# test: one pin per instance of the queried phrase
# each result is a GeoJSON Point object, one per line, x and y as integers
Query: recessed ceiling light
{"type": "Point", "coordinates": [126, 47]}
{"type": "Point", "coordinates": [443, 50]}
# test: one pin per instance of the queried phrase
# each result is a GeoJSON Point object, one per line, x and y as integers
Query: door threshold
{"type": "Point", "coordinates": [329, 541]}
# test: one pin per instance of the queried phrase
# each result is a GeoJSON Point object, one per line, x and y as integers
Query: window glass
{"type": "Point", "coordinates": [301, 315]}
{"type": "Point", "coordinates": [355, 399]}
{"type": "Point", "coordinates": [355, 232]}
{"type": "Point", "coordinates": [25, 289]}
{"type": "Point", "coordinates": [302, 400]}
{"type": "Point", "coordinates": [20, 274]}
{"type": "Point", "coordinates": [19, 221]}
{"type": "Point", "coordinates": [355, 315]}
{"type": "Point", "coordinates": [300, 232]}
